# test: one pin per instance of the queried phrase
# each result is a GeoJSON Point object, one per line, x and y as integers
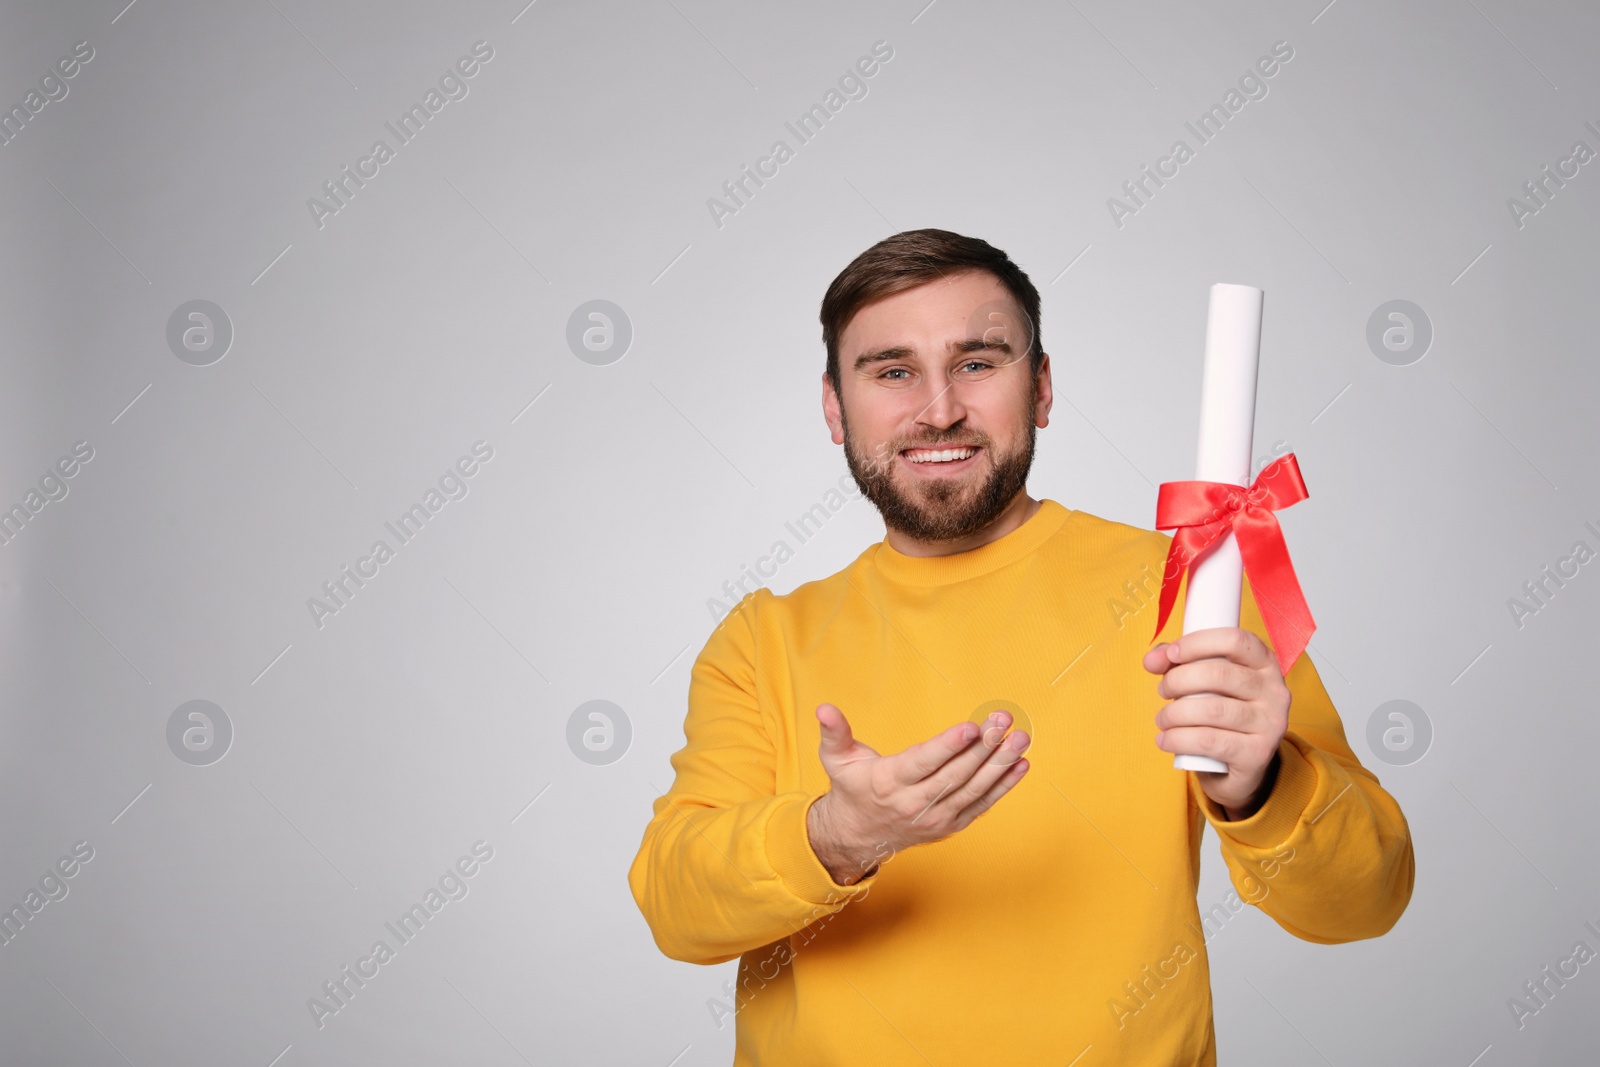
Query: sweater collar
{"type": "Point", "coordinates": [959, 566]}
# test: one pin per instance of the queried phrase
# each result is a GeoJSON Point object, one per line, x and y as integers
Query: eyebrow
{"type": "Point", "coordinates": [970, 344]}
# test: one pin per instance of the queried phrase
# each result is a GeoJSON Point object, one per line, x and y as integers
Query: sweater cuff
{"type": "Point", "coordinates": [789, 852]}
{"type": "Point", "coordinates": [1276, 819]}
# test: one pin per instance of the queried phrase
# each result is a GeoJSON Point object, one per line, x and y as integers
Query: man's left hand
{"type": "Point", "coordinates": [1241, 724]}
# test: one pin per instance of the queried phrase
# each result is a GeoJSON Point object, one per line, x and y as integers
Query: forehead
{"type": "Point", "coordinates": [927, 315]}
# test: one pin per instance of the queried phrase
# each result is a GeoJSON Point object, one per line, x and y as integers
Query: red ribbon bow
{"type": "Point", "coordinates": [1203, 512]}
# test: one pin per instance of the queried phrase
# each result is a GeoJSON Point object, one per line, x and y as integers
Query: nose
{"type": "Point", "coordinates": [941, 405]}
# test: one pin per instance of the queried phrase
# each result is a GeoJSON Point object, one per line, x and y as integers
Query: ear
{"type": "Point", "coordinates": [1041, 410]}
{"type": "Point", "coordinates": [830, 409]}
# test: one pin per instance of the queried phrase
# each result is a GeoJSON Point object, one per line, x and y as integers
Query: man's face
{"type": "Point", "coordinates": [940, 406]}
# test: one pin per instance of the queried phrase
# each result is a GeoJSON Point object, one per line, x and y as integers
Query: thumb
{"type": "Point", "coordinates": [837, 740]}
{"type": "Point", "coordinates": [836, 733]}
{"type": "Point", "coordinates": [839, 746]}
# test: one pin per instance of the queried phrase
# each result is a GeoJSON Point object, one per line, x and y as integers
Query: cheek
{"type": "Point", "coordinates": [875, 428]}
{"type": "Point", "coordinates": [1001, 410]}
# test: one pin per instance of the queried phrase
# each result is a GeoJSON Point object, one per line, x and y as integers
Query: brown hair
{"type": "Point", "coordinates": [909, 259]}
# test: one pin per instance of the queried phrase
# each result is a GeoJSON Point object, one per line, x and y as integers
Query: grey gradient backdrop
{"type": "Point", "coordinates": [431, 712]}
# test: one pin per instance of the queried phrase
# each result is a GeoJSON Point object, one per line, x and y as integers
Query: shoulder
{"type": "Point", "coordinates": [1100, 541]}
{"type": "Point", "coordinates": [762, 615]}
{"type": "Point", "coordinates": [820, 596]}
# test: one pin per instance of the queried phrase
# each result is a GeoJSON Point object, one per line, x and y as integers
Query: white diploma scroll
{"type": "Point", "coordinates": [1227, 427]}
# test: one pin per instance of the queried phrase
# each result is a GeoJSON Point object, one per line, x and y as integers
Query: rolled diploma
{"type": "Point", "coordinates": [1227, 427]}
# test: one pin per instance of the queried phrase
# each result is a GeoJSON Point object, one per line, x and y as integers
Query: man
{"type": "Point", "coordinates": [844, 740]}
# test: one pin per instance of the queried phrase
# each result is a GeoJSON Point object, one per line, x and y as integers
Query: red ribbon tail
{"type": "Point", "coordinates": [1277, 590]}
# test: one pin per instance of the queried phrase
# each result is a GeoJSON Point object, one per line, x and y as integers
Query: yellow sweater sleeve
{"type": "Point", "coordinates": [726, 863]}
{"type": "Point", "coordinates": [1328, 855]}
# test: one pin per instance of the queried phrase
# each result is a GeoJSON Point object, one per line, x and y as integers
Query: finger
{"type": "Point", "coordinates": [993, 731]}
{"type": "Point", "coordinates": [956, 771]}
{"type": "Point", "coordinates": [966, 777]}
{"type": "Point", "coordinates": [1219, 676]}
{"type": "Point", "coordinates": [926, 757]}
{"type": "Point", "coordinates": [1224, 745]}
{"type": "Point", "coordinates": [1013, 774]}
{"type": "Point", "coordinates": [995, 766]}
{"type": "Point", "coordinates": [1223, 713]}
{"type": "Point", "coordinates": [1230, 642]}
{"type": "Point", "coordinates": [1156, 661]}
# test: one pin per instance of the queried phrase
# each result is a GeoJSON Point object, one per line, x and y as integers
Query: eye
{"type": "Point", "coordinates": [977, 368]}
{"type": "Point", "coordinates": [894, 370]}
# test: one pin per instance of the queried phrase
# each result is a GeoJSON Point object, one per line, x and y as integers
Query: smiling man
{"type": "Point", "coordinates": [843, 740]}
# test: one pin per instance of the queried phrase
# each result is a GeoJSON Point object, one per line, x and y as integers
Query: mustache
{"type": "Point", "coordinates": [949, 440]}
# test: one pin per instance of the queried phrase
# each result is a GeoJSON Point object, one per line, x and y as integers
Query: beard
{"type": "Point", "coordinates": [944, 509]}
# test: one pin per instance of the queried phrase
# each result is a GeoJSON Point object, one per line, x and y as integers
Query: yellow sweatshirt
{"type": "Point", "coordinates": [1061, 923]}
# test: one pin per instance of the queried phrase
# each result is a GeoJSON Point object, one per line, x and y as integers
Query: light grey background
{"type": "Point", "coordinates": [431, 312]}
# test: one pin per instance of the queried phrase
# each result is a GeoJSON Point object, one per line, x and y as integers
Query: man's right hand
{"type": "Point", "coordinates": [881, 804]}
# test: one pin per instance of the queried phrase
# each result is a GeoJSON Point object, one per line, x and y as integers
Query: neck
{"type": "Point", "coordinates": [1019, 511]}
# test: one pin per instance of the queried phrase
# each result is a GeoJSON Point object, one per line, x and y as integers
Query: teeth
{"type": "Point", "coordinates": [947, 455]}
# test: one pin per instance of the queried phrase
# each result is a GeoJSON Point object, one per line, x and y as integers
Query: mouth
{"type": "Point", "coordinates": [937, 461]}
